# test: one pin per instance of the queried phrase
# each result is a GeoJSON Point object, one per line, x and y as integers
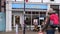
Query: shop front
{"type": "Point", "coordinates": [32, 12]}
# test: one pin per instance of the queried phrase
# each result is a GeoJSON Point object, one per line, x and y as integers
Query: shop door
{"type": "Point", "coordinates": [15, 19]}
{"type": "Point", "coordinates": [2, 22]}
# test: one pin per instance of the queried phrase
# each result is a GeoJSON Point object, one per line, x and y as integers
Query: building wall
{"type": "Point", "coordinates": [34, 1]}
{"type": "Point", "coordinates": [14, 0]}
{"type": "Point", "coordinates": [48, 1]}
{"type": "Point", "coordinates": [8, 16]}
{"type": "Point", "coordinates": [9, 11]}
{"type": "Point", "coordinates": [2, 6]}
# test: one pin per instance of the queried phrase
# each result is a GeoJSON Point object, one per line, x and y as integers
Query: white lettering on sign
{"type": "Point", "coordinates": [36, 6]}
{"type": "Point", "coordinates": [41, 18]}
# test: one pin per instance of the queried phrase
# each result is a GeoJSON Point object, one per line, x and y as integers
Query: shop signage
{"type": "Point", "coordinates": [33, 6]}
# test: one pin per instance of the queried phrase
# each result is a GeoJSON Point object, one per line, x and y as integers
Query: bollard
{"type": "Point", "coordinates": [24, 29]}
{"type": "Point", "coordinates": [40, 32]}
{"type": "Point", "coordinates": [16, 28]}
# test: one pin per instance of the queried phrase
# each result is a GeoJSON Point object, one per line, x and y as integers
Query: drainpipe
{"type": "Point", "coordinates": [24, 19]}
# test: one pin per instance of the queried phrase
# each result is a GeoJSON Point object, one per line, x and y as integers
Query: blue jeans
{"type": "Point", "coordinates": [50, 31]}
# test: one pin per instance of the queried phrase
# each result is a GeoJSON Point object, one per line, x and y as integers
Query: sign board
{"type": "Point", "coordinates": [2, 22]}
{"type": "Point", "coordinates": [41, 18]}
{"type": "Point", "coordinates": [30, 6]}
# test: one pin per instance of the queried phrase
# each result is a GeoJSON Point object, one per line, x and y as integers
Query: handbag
{"type": "Point", "coordinates": [51, 22]}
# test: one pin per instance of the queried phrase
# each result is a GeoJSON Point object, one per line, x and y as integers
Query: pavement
{"type": "Point", "coordinates": [26, 32]}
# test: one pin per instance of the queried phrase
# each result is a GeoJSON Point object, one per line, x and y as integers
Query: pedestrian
{"type": "Point", "coordinates": [51, 22]}
{"type": "Point", "coordinates": [54, 22]}
{"type": "Point", "coordinates": [49, 30]}
{"type": "Point", "coordinates": [16, 28]}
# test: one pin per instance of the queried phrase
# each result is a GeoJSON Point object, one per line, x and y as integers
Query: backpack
{"type": "Point", "coordinates": [54, 20]}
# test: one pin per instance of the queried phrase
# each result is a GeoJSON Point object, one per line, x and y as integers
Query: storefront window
{"type": "Point", "coordinates": [36, 18]}
{"type": "Point", "coordinates": [28, 20]}
{"type": "Point", "coordinates": [32, 15]}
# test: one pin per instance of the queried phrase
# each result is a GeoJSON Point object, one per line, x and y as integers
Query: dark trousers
{"type": "Point", "coordinates": [59, 29]}
{"type": "Point", "coordinates": [50, 31]}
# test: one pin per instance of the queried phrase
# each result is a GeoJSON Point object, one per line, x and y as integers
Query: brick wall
{"type": "Point", "coordinates": [2, 6]}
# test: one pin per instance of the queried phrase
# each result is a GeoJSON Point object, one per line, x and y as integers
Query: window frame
{"type": "Point", "coordinates": [51, 0]}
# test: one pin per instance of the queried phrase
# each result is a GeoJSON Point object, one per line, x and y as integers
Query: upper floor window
{"type": "Point", "coordinates": [55, 8]}
{"type": "Point", "coordinates": [34, 0]}
{"type": "Point", "coordinates": [17, 0]}
{"type": "Point", "coordinates": [51, 0]}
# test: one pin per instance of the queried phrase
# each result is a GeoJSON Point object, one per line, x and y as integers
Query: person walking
{"type": "Point", "coordinates": [51, 22]}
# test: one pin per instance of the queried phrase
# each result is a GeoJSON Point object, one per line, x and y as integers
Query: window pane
{"type": "Point", "coordinates": [2, 3]}
{"type": "Point", "coordinates": [2, 9]}
{"type": "Point", "coordinates": [13, 0]}
{"type": "Point", "coordinates": [28, 20]}
{"type": "Point", "coordinates": [34, 0]}
{"type": "Point", "coordinates": [19, 0]}
{"type": "Point", "coordinates": [51, 0]}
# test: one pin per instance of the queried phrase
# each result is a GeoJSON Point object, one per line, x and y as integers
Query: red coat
{"type": "Point", "coordinates": [54, 18]}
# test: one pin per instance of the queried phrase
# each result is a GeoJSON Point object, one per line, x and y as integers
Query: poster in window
{"type": "Point", "coordinates": [35, 21]}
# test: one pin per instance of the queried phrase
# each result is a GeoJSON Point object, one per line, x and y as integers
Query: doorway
{"type": "Point", "coordinates": [15, 19]}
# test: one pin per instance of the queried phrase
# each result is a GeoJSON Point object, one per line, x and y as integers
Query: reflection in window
{"type": "Point", "coordinates": [27, 12]}
{"type": "Point", "coordinates": [28, 21]}
{"type": "Point", "coordinates": [2, 9]}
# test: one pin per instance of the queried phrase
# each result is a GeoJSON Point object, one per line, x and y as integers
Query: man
{"type": "Point", "coordinates": [53, 17]}
{"type": "Point", "coordinates": [51, 20]}
{"type": "Point", "coordinates": [54, 21]}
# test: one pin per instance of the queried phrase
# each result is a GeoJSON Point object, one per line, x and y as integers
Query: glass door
{"type": "Point", "coordinates": [15, 19]}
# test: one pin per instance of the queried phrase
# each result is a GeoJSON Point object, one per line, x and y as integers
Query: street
{"type": "Point", "coordinates": [26, 32]}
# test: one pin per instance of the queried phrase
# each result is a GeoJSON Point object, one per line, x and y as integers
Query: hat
{"type": "Point", "coordinates": [51, 12]}
{"type": "Point", "coordinates": [50, 9]}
